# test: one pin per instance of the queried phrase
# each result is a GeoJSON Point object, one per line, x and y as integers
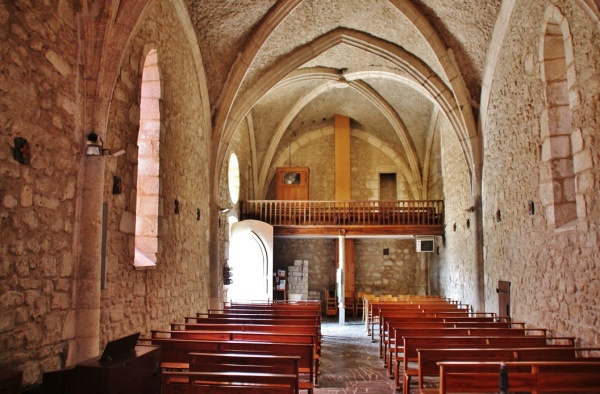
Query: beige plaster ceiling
{"type": "Point", "coordinates": [386, 64]}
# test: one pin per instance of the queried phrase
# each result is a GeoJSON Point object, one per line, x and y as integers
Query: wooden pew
{"type": "Point", "coordinates": [386, 315]}
{"type": "Point", "coordinates": [401, 331]}
{"type": "Point", "coordinates": [381, 314]}
{"type": "Point", "coordinates": [228, 335]}
{"type": "Point", "coordinates": [264, 320]}
{"type": "Point", "coordinates": [396, 330]}
{"type": "Point", "coordinates": [528, 376]}
{"type": "Point", "coordinates": [368, 302]}
{"type": "Point", "coordinates": [175, 352]}
{"type": "Point", "coordinates": [227, 383]}
{"type": "Point", "coordinates": [373, 307]}
{"type": "Point", "coordinates": [429, 358]}
{"type": "Point", "coordinates": [316, 320]}
{"type": "Point", "coordinates": [390, 324]}
{"type": "Point", "coordinates": [268, 328]}
{"type": "Point", "coordinates": [244, 362]}
{"type": "Point", "coordinates": [245, 314]}
{"type": "Point", "coordinates": [412, 344]}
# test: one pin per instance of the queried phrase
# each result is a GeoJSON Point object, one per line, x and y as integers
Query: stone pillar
{"type": "Point", "coordinates": [341, 285]}
{"type": "Point", "coordinates": [422, 273]}
{"type": "Point", "coordinates": [87, 326]}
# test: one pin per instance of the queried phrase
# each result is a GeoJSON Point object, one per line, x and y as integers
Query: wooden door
{"type": "Point", "coordinates": [503, 291]}
{"type": "Point", "coordinates": [291, 183]}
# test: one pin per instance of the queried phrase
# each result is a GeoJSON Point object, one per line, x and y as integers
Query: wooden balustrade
{"type": "Point", "coordinates": [346, 213]}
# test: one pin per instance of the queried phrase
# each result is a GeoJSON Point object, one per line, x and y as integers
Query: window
{"type": "Point", "coordinates": [148, 182]}
{"type": "Point", "coordinates": [233, 175]}
{"type": "Point", "coordinates": [559, 139]}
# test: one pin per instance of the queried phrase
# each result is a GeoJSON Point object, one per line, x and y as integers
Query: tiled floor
{"type": "Point", "coordinates": [350, 362]}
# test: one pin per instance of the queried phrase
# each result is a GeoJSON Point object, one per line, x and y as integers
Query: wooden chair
{"type": "Point", "coordinates": [349, 302]}
{"type": "Point", "coordinates": [330, 303]}
{"type": "Point", "coordinates": [359, 304]}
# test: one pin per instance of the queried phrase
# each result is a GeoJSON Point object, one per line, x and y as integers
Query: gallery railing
{"type": "Point", "coordinates": [346, 213]}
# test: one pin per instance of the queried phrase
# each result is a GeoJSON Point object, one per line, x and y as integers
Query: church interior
{"type": "Point", "coordinates": [150, 149]}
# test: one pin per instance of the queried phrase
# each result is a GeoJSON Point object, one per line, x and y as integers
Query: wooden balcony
{"type": "Point", "coordinates": [352, 218]}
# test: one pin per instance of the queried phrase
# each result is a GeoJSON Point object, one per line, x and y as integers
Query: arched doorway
{"type": "Point", "coordinates": [251, 260]}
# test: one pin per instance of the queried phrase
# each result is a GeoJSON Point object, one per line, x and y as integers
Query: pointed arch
{"type": "Point", "coordinates": [561, 141]}
{"type": "Point", "coordinates": [148, 165]}
{"type": "Point", "coordinates": [422, 75]}
{"type": "Point", "coordinates": [378, 144]}
{"type": "Point", "coordinates": [333, 78]}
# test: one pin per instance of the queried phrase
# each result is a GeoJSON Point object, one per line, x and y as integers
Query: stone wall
{"type": "Point", "coordinates": [397, 273]}
{"type": "Point", "coordinates": [320, 254]}
{"type": "Point", "coordinates": [316, 149]}
{"type": "Point", "coordinates": [141, 300]}
{"type": "Point", "coordinates": [38, 201]}
{"type": "Point", "coordinates": [453, 270]}
{"type": "Point", "coordinates": [554, 272]}
{"type": "Point", "coordinates": [367, 163]}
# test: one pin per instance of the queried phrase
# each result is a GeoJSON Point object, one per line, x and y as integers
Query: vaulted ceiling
{"type": "Point", "coordinates": [392, 66]}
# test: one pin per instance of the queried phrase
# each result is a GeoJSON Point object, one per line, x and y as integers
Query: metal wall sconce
{"type": "Point", "coordinates": [227, 275]}
{"type": "Point", "coordinates": [94, 145]}
{"type": "Point", "coordinates": [498, 216]}
{"type": "Point", "coordinates": [468, 223]}
{"type": "Point", "coordinates": [454, 227]}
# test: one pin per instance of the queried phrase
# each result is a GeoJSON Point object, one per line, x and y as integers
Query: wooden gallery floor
{"type": "Point", "coordinates": [350, 362]}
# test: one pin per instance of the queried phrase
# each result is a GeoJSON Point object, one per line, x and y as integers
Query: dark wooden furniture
{"type": "Point", "coordinates": [280, 285]}
{"type": "Point", "coordinates": [133, 373]}
{"type": "Point", "coordinates": [528, 376]}
{"type": "Point", "coordinates": [11, 381]}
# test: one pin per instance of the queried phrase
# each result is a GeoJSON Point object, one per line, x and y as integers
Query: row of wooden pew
{"type": "Point", "coordinates": [425, 340]}
{"type": "Point", "coordinates": [249, 347]}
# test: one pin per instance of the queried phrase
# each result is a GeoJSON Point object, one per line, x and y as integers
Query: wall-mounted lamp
{"type": "Point", "coordinates": [93, 145]}
{"type": "Point", "coordinates": [224, 210]}
{"type": "Point", "coordinates": [227, 275]}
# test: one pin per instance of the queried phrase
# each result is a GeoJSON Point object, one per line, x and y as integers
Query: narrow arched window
{"type": "Point", "coordinates": [562, 146]}
{"type": "Point", "coordinates": [233, 177]}
{"type": "Point", "coordinates": [148, 181]}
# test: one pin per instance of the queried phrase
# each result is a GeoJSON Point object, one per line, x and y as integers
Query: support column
{"type": "Point", "coordinates": [341, 285]}
{"type": "Point", "coordinates": [87, 291]}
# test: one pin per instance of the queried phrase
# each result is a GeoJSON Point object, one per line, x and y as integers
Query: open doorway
{"type": "Point", "coordinates": [503, 291]}
{"type": "Point", "coordinates": [251, 260]}
{"type": "Point", "coordinates": [387, 187]}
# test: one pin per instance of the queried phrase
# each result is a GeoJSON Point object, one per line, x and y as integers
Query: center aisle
{"type": "Point", "coordinates": [350, 362]}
